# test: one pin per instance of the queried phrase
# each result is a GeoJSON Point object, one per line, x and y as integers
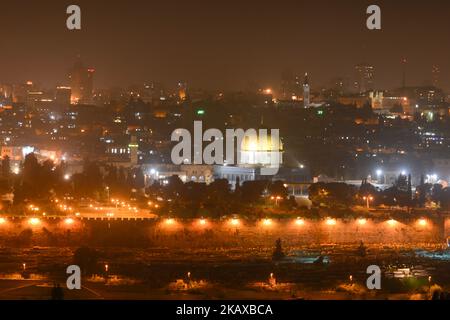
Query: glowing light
{"type": "Point", "coordinates": [2, 220]}
{"type": "Point", "coordinates": [106, 267]}
{"type": "Point", "coordinates": [34, 221]}
{"type": "Point", "coordinates": [267, 222]}
{"type": "Point", "coordinates": [253, 146]}
{"type": "Point", "coordinates": [299, 222]}
{"type": "Point", "coordinates": [67, 177]}
{"type": "Point", "coordinates": [392, 222]}
{"type": "Point", "coordinates": [331, 222]}
{"type": "Point", "coordinates": [234, 222]}
{"type": "Point", "coordinates": [422, 222]}
{"type": "Point", "coordinates": [170, 221]}
{"type": "Point", "coordinates": [202, 222]}
{"type": "Point", "coordinates": [351, 278]}
{"type": "Point", "coordinates": [69, 221]}
{"type": "Point", "coordinates": [362, 221]}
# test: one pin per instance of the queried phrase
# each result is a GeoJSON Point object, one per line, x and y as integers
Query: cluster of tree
{"type": "Point", "coordinates": [341, 195]}
{"type": "Point", "coordinates": [42, 181]}
{"type": "Point", "coordinates": [108, 181]}
{"type": "Point", "coordinates": [334, 195]}
{"type": "Point", "coordinates": [427, 193]}
{"type": "Point", "coordinates": [216, 199]}
{"type": "Point", "coordinates": [37, 180]}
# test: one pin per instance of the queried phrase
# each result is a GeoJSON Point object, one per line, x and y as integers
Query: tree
{"type": "Point", "coordinates": [367, 189]}
{"type": "Point", "coordinates": [138, 179]}
{"type": "Point", "coordinates": [333, 195]}
{"type": "Point", "coordinates": [218, 198]}
{"type": "Point", "coordinates": [251, 191]}
{"type": "Point", "coordinates": [278, 253]}
{"type": "Point", "coordinates": [30, 186]}
{"type": "Point", "coordinates": [444, 199]}
{"type": "Point", "coordinates": [422, 191]}
{"type": "Point", "coordinates": [277, 188]}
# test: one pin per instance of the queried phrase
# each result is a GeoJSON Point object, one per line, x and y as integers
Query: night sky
{"type": "Point", "coordinates": [223, 44]}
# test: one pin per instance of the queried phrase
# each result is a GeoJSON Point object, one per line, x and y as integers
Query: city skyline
{"type": "Point", "coordinates": [168, 42]}
{"type": "Point", "coordinates": [219, 151]}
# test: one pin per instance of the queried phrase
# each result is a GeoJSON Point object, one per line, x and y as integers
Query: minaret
{"type": "Point", "coordinates": [306, 99]}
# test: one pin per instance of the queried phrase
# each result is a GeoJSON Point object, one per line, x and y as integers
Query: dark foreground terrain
{"type": "Point", "coordinates": [409, 272]}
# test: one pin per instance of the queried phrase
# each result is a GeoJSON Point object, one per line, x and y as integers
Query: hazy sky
{"type": "Point", "coordinates": [223, 44]}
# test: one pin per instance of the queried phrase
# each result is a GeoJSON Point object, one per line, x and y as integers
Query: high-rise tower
{"type": "Point", "coordinates": [364, 77]}
{"type": "Point", "coordinates": [81, 83]}
{"type": "Point", "coordinates": [306, 92]}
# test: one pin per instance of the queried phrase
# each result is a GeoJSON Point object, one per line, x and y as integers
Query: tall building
{"type": "Point", "coordinates": [291, 86]}
{"type": "Point", "coordinates": [306, 92]}
{"type": "Point", "coordinates": [63, 96]}
{"type": "Point", "coordinates": [20, 91]}
{"type": "Point", "coordinates": [81, 83]}
{"type": "Point", "coordinates": [364, 77]}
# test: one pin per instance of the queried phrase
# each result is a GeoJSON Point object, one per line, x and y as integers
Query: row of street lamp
{"type": "Point", "coordinates": [34, 221]}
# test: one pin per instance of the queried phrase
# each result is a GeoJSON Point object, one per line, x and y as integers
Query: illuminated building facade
{"type": "Point", "coordinates": [364, 77]}
{"type": "Point", "coordinates": [261, 152]}
{"type": "Point", "coordinates": [81, 83]}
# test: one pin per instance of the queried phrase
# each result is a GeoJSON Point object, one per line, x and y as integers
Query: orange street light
{"type": "Point", "coordinates": [422, 222]}
{"type": "Point", "coordinates": [368, 199]}
{"type": "Point", "coordinates": [299, 222]}
{"type": "Point", "coordinates": [362, 221]}
{"type": "Point", "coordinates": [234, 222]}
{"type": "Point", "coordinates": [34, 221]}
{"type": "Point", "coordinates": [391, 222]}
